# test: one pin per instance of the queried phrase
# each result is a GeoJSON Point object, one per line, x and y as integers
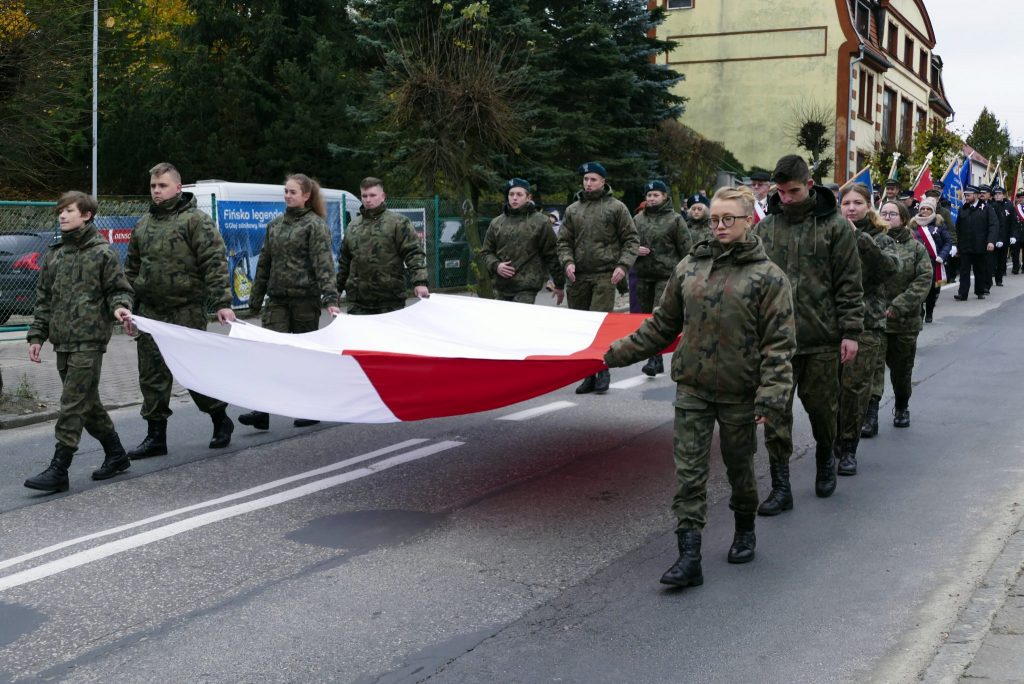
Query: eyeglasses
{"type": "Point", "coordinates": [727, 221]}
{"type": "Point", "coordinates": [889, 214]}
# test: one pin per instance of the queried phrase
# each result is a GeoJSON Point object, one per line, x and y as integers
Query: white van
{"type": "Point", "coordinates": [242, 212]}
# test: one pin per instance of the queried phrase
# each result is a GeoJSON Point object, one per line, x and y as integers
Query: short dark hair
{"type": "Point", "coordinates": [85, 203]}
{"type": "Point", "coordinates": [790, 168]}
{"type": "Point", "coordinates": [901, 208]}
{"type": "Point", "coordinates": [371, 182]}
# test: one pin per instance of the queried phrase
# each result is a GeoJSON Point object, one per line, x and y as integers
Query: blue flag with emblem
{"type": "Point", "coordinates": [953, 186]}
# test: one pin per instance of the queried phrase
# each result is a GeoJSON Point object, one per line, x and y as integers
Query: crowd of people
{"type": "Point", "coordinates": [784, 289]}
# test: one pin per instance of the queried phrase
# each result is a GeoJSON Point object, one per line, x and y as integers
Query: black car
{"type": "Point", "coordinates": [21, 258]}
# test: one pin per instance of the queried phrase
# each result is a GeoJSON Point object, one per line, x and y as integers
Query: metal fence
{"type": "Point", "coordinates": [28, 228]}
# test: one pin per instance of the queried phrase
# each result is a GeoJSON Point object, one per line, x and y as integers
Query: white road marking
{"type": "Point", "coordinates": [157, 534]}
{"type": "Point", "coordinates": [634, 381]}
{"type": "Point", "coordinates": [213, 502]}
{"type": "Point", "coordinates": [538, 411]}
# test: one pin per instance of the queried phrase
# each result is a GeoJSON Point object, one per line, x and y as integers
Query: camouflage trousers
{"type": "Point", "coordinates": [80, 405]}
{"type": "Point", "coordinates": [522, 297]}
{"type": "Point", "coordinates": [357, 309]}
{"type": "Point", "coordinates": [155, 377]}
{"type": "Point", "coordinates": [592, 292]}
{"type": "Point", "coordinates": [858, 377]}
{"type": "Point", "coordinates": [737, 436]}
{"type": "Point", "coordinates": [816, 378]}
{"type": "Point", "coordinates": [899, 353]}
{"type": "Point", "coordinates": [649, 293]}
{"type": "Point", "coordinates": [291, 315]}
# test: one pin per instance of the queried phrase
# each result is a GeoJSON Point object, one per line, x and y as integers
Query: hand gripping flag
{"type": "Point", "coordinates": [443, 356]}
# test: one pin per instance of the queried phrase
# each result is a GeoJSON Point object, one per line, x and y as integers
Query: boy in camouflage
{"type": "Point", "coordinates": [734, 308]}
{"type": "Point", "coordinates": [519, 248]}
{"type": "Point", "coordinates": [664, 241]}
{"type": "Point", "coordinates": [379, 247]}
{"type": "Point", "coordinates": [178, 266]}
{"type": "Point", "coordinates": [597, 245]}
{"type": "Point", "coordinates": [80, 292]}
{"type": "Point", "coordinates": [295, 272]}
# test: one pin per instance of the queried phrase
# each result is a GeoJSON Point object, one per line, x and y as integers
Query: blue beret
{"type": "Point", "coordinates": [593, 167]}
{"type": "Point", "coordinates": [517, 183]}
{"type": "Point", "coordinates": [656, 185]}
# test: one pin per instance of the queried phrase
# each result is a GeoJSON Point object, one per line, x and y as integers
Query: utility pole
{"type": "Point", "coordinates": [95, 88]}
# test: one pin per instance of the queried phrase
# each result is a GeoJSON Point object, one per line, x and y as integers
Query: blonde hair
{"type": "Point", "coordinates": [163, 168]}
{"type": "Point", "coordinates": [742, 194]}
{"type": "Point", "coordinates": [307, 184]}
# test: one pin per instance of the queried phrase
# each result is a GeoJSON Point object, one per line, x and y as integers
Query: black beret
{"type": "Point", "coordinates": [760, 176]}
{"type": "Point", "coordinates": [593, 167]}
{"type": "Point", "coordinates": [656, 185]}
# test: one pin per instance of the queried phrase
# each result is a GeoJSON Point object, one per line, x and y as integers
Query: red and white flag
{"type": "Point", "coordinates": [924, 183]}
{"type": "Point", "coordinates": [443, 356]}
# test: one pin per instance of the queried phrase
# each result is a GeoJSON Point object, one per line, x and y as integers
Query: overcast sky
{"type": "Point", "coordinates": [980, 44]}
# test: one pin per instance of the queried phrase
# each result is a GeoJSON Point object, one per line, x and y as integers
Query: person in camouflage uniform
{"type": "Point", "coordinates": [519, 248]}
{"type": "Point", "coordinates": [295, 272]}
{"type": "Point", "coordinates": [697, 221]}
{"type": "Point", "coordinates": [178, 266]}
{"type": "Point", "coordinates": [734, 308]}
{"type": "Point", "coordinates": [817, 249]}
{"type": "Point", "coordinates": [380, 246]}
{"type": "Point", "coordinates": [879, 262]}
{"type": "Point", "coordinates": [597, 245]}
{"type": "Point", "coordinates": [81, 290]}
{"type": "Point", "coordinates": [664, 241]}
{"type": "Point", "coordinates": [905, 292]}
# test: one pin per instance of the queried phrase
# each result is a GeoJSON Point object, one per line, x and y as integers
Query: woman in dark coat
{"type": "Point", "coordinates": [928, 224]}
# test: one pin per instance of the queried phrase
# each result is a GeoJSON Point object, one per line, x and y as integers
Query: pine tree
{"type": "Point", "coordinates": [989, 137]}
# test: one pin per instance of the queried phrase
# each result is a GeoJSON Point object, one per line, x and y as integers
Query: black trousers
{"type": "Point", "coordinates": [999, 262]}
{"type": "Point", "coordinates": [979, 264]}
{"type": "Point", "coordinates": [1015, 257]}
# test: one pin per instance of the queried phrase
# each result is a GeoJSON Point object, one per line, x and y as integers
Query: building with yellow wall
{"type": "Point", "coordinates": [752, 66]}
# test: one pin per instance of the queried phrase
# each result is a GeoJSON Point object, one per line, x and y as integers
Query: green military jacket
{"type": "Point", "coordinates": [597, 234]}
{"type": "Point", "coordinates": [817, 250]}
{"type": "Point", "coordinates": [523, 237]}
{"type": "Point", "coordinates": [878, 262]}
{"type": "Point", "coordinates": [378, 248]}
{"type": "Point", "coordinates": [176, 258]}
{"type": "Point", "coordinates": [907, 290]}
{"type": "Point", "coordinates": [295, 260]}
{"type": "Point", "coordinates": [665, 233]}
{"type": "Point", "coordinates": [700, 231]}
{"type": "Point", "coordinates": [734, 308]}
{"type": "Point", "coordinates": [80, 284]}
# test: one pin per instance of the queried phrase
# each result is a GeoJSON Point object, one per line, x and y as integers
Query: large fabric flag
{"type": "Point", "coordinates": [1018, 180]}
{"type": "Point", "coordinates": [864, 178]}
{"type": "Point", "coordinates": [924, 184]}
{"type": "Point", "coordinates": [443, 356]}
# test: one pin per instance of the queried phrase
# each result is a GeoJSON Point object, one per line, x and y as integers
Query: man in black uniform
{"type": "Point", "coordinates": [1004, 214]}
{"type": "Point", "coordinates": [977, 228]}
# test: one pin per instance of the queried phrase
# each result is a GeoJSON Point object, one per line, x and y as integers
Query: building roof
{"type": "Point", "coordinates": [974, 155]}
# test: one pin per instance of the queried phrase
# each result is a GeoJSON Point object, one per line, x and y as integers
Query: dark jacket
{"type": "Point", "coordinates": [379, 247]}
{"type": "Point", "coordinates": [665, 233]}
{"type": "Point", "coordinates": [295, 260]}
{"type": "Point", "coordinates": [910, 286]}
{"type": "Point", "coordinates": [597, 235]}
{"type": "Point", "coordinates": [524, 238]}
{"type": "Point", "coordinates": [80, 284]}
{"type": "Point", "coordinates": [976, 228]}
{"type": "Point", "coordinates": [817, 250]}
{"type": "Point", "coordinates": [1005, 214]}
{"type": "Point", "coordinates": [940, 236]}
{"type": "Point", "coordinates": [878, 262]}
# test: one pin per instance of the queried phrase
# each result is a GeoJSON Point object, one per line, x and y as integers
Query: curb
{"type": "Point", "coordinates": [16, 420]}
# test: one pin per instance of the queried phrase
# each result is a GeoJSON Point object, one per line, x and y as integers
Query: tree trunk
{"type": "Point", "coordinates": [484, 287]}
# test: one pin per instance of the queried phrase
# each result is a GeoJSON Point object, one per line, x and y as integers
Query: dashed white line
{"type": "Point", "coordinates": [538, 410]}
{"type": "Point", "coordinates": [634, 381]}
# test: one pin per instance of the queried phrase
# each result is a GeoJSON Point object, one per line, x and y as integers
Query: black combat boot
{"type": "Point", "coordinates": [744, 541]}
{"type": "Point", "coordinates": [222, 429]}
{"type": "Point", "coordinates": [847, 457]}
{"type": "Point", "coordinates": [659, 364]}
{"type": "Point", "coordinates": [825, 480]}
{"type": "Point", "coordinates": [155, 443]}
{"type": "Point", "coordinates": [781, 497]}
{"type": "Point", "coordinates": [601, 382]}
{"type": "Point", "coordinates": [300, 422]}
{"type": "Point", "coordinates": [55, 478]}
{"type": "Point", "coordinates": [256, 419]}
{"type": "Point", "coordinates": [587, 386]}
{"type": "Point", "coordinates": [901, 416]}
{"type": "Point", "coordinates": [686, 572]}
{"type": "Point", "coordinates": [115, 459]}
{"type": "Point", "coordinates": [650, 368]}
{"type": "Point", "coordinates": [870, 428]}
{"type": "Point", "coordinates": [929, 311]}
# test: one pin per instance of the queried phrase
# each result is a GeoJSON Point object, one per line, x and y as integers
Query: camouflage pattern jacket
{"type": "Point", "coordinates": [378, 247]}
{"type": "Point", "coordinates": [176, 258]}
{"type": "Point", "coordinates": [879, 261]}
{"type": "Point", "coordinates": [817, 250]}
{"type": "Point", "coordinates": [734, 308]}
{"type": "Point", "coordinates": [597, 234]}
{"type": "Point", "coordinates": [295, 260]}
{"type": "Point", "coordinates": [700, 230]}
{"type": "Point", "coordinates": [524, 238]}
{"type": "Point", "coordinates": [907, 290]}
{"type": "Point", "coordinates": [664, 232]}
{"type": "Point", "coordinates": [80, 284]}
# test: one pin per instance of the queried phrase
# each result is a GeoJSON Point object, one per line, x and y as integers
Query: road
{"type": "Point", "coordinates": [512, 547]}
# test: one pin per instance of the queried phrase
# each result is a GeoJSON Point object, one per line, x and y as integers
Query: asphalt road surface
{"type": "Point", "coordinates": [518, 545]}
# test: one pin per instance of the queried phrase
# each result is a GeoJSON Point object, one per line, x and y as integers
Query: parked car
{"type": "Point", "coordinates": [21, 258]}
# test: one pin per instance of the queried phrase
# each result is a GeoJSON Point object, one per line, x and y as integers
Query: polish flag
{"type": "Point", "coordinates": [443, 356]}
{"type": "Point", "coordinates": [924, 184]}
